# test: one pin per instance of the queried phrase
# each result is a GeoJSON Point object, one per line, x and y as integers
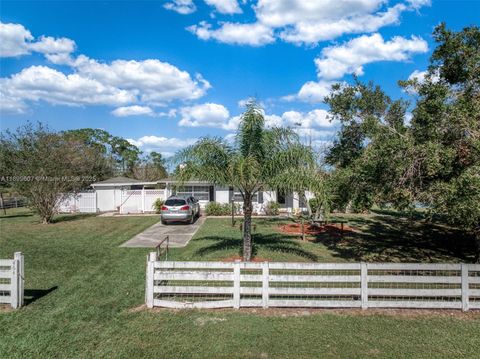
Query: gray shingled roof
{"type": "Point", "coordinates": [120, 179]}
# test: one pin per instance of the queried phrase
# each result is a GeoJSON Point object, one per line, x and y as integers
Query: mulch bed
{"type": "Point", "coordinates": [311, 230]}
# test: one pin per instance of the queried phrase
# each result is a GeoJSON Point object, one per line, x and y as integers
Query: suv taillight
{"type": "Point", "coordinates": [164, 208]}
{"type": "Point", "coordinates": [185, 208]}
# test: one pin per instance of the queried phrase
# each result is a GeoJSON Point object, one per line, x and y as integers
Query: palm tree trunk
{"type": "Point", "coordinates": [247, 227]}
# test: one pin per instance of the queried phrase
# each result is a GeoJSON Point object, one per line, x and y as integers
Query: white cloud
{"type": "Point", "coordinates": [309, 22]}
{"type": "Point", "coordinates": [277, 13]}
{"type": "Point", "coordinates": [215, 115]}
{"type": "Point", "coordinates": [55, 50]}
{"type": "Point", "coordinates": [225, 6]}
{"type": "Point", "coordinates": [155, 81]}
{"type": "Point", "coordinates": [16, 40]}
{"type": "Point", "coordinates": [134, 110]}
{"type": "Point", "coordinates": [418, 75]}
{"type": "Point", "coordinates": [138, 84]}
{"type": "Point", "coordinates": [312, 92]}
{"type": "Point", "coordinates": [150, 82]}
{"type": "Point", "coordinates": [316, 120]}
{"type": "Point", "coordinates": [11, 104]}
{"type": "Point", "coordinates": [254, 34]}
{"type": "Point", "coordinates": [419, 3]}
{"type": "Point", "coordinates": [336, 61]}
{"type": "Point", "coordinates": [37, 83]}
{"type": "Point", "coordinates": [183, 7]}
{"type": "Point", "coordinates": [167, 146]}
{"type": "Point", "coordinates": [327, 29]}
{"type": "Point", "coordinates": [204, 115]}
{"type": "Point", "coordinates": [421, 76]}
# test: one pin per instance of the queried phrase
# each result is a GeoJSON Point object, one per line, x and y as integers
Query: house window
{"type": "Point", "coordinates": [237, 197]}
{"type": "Point", "coordinates": [201, 193]}
{"type": "Point", "coordinates": [281, 197]}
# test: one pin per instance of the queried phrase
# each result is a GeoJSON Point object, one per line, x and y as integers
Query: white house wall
{"type": "Point", "coordinates": [105, 199]}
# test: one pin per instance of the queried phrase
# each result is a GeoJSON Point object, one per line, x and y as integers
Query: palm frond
{"type": "Point", "coordinates": [206, 160]}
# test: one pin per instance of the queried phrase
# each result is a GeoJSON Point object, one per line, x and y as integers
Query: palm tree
{"type": "Point", "coordinates": [260, 158]}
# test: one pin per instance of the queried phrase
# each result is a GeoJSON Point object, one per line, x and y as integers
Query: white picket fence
{"type": "Point", "coordinates": [140, 201]}
{"type": "Point", "coordinates": [322, 285]}
{"type": "Point", "coordinates": [12, 280]}
{"type": "Point", "coordinates": [83, 202]}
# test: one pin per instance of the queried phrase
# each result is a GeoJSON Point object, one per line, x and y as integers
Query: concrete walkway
{"type": "Point", "coordinates": [180, 234]}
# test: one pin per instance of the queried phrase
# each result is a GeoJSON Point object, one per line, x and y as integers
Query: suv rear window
{"type": "Point", "coordinates": [175, 202]}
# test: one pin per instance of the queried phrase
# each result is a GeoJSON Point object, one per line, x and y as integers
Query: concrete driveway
{"type": "Point", "coordinates": [179, 233]}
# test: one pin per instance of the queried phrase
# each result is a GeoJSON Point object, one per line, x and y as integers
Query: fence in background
{"type": "Point", "coordinates": [12, 202]}
{"type": "Point", "coordinates": [323, 285]}
{"type": "Point", "coordinates": [12, 280]}
{"type": "Point", "coordinates": [140, 200]}
{"type": "Point", "coordinates": [83, 202]}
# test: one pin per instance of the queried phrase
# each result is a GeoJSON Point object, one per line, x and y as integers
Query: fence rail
{"type": "Point", "coordinates": [12, 202]}
{"type": "Point", "coordinates": [12, 280]}
{"type": "Point", "coordinates": [335, 285]}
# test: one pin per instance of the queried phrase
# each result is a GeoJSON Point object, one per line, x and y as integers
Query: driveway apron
{"type": "Point", "coordinates": [179, 235]}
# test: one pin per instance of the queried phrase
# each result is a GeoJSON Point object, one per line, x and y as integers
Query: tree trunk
{"type": "Point", "coordinates": [247, 227]}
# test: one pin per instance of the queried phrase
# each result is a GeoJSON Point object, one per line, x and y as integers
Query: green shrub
{"type": "Point", "coordinates": [157, 205]}
{"type": "Point", "coordinates": [272, 209]}
{"type": "Point", "coordinates": [217, 209]}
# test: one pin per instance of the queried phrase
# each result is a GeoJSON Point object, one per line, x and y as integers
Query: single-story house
{"type": "Point", "coordinates": [128, 195]}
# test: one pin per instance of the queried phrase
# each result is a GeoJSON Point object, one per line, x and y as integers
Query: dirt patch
{"type": "Point", "coordinates": [314, 230]}
{"type": "Point", "coordinates": [239, 258]}
{"type": "Point", "coordinates": [200, 322]}
{"type": "Point", "coordinates": [400, 313]}
{"type": "Point", "coordinates": [5, 308]}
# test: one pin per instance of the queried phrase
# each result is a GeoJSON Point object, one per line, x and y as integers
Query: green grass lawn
{"type": "Point", "coordinates": [84, 295]}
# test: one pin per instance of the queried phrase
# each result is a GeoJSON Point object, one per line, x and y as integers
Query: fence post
{"type": "Point", "coordinates": [14, 284]}
{"type": "Point", "coordinates": [151, 258]}
{"type": "Point", "coordinates": [364, 284]}
{"type": "Point", "coordinates": [236, 284]}
{"type": "Point", "coordinates": [265, 284]}
{"type": "Point", "coordinates": [465, 287]}
{"type": "Point", "coordinates": [143, 200]}
{"type": "Point", "coordinates": [18, 256]}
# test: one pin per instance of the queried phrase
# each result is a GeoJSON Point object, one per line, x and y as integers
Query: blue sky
{"type": "Point", "coordinates": [163, 73]}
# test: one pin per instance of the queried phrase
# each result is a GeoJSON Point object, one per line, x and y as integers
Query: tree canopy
{"type": "Point", "coordinates": [431, 157]}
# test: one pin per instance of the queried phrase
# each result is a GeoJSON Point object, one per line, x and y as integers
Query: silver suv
{"type": "Point", "coordinates": [180, 209]}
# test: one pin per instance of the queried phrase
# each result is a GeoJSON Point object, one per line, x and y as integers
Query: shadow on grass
{"type": "Point", "coordinates": [31, 295]}
{"type": "Point", "coordinates": [16, 215]}
{"type": "Point", "coordinates": [271, 242]}
{"type": "Point", "coordinates": [396, 239]}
